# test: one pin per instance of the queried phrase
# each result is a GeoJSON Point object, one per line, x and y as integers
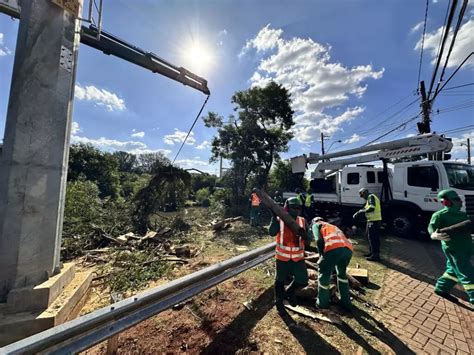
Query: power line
{"type": "Point", "coordinates": [455, 33]}
{"type": "Point", "coordinates": [422, 43]}
{"type": "Point", "coordinates": [192, 126]}
{"type": "Point", "coordinates": [443, 42]}
{"type": "Point", "coordinates": [459, 86]}
{"type": "Point", "coordinates": [393, 130]}
{"type": "Point", "coordinates": [452, 75]}
{"type": "Point", "coordinates": [459, 129]}
{"type": "Point", "coordinates": [384, 119]}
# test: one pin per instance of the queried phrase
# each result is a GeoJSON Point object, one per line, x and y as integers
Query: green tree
{"type": "Point", "coordinates": [282, 178]}
{"type": "Point", "coordinates": [127, 162]}
{"type": "Point", "coordinates": [253, 139]}
{"type": "Point", "coordinates": [92, 164]}
{"type": "Point", "coordinates": [149, 163]}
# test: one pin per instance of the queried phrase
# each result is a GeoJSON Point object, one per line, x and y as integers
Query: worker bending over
{"type": "Point", "coordinates": [289, 255]}
{"type": "Point", "coordinates": [373, 214]}
{"type": "Point", "coordinates": [456, 244]}
{"type": "Point", "coordinates": [335, 252]}
{"type": "Point", "coordinates": [254, 208]}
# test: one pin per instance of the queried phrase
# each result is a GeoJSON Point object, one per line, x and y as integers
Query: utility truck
{"type": "Point", "coordinates": [408, 190]}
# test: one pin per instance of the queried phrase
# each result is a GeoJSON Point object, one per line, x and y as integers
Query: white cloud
{"type": "Point", "coordinates": [4, 51]}
{"type": "Point", "coordinates": [75, 128]}
{"type": "Point", "coordinates": [222, 33]}
{"type": "Point", "coordinates": [138, 134]}
{"type": "Point", "coordinates": [417, 27]}
{"type": "Point", "coordinates": [178, 137]}
{"type": "Point", "coordinates": [197, 164]}
{"type": "Point", "coordinates": [100, 97]}
{"type": "Point", "coordinates": [204, 145]}
{"type": "Point", "coordinates": [267, 38]}
{"type": "Point", "coordinates": [354, 138]}
{"type": "Point", "coordinates": [315, 82]}
{"type": "Point", "coordinates": [458, 150]}
{"type": "Point", "coordinates": [462, 47]}
{"type": "Point", "coordinates": [112, 145]}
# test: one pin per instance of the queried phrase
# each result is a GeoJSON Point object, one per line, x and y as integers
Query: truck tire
{"type": "Point", "coordinates": [403, 225]}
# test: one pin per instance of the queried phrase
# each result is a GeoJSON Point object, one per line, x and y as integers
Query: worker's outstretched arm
{"type": "Point", "coordinates": [316, 233]}
{"type": "Point", "coordinates": [274, 227]}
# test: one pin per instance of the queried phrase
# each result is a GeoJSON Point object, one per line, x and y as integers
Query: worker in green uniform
{"type": "Point", "coordinates": [289, 254]}
{"type": "Point", "coordinates": [456, 245]}
{"type": "Point", "coordinates": [279, 200]}
{"type": "Point", "coordinates": [373, 214]}
{"type": "Point", "coordinates": [335, 252]}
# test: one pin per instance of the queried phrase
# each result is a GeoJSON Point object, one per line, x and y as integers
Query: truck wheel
{"type": "Point", "coordinates": [403, 226]}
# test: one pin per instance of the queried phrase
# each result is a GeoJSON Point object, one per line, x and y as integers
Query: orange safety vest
{"type": "Point", "coordinates": [333, 237]}
{"type": "Point", "coordinates": [255, 199]}
{"type": "Point", "coordinates": [290, 246]}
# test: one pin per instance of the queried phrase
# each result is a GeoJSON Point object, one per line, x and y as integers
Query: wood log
{"type": "Point", "coordinates": [280, 212]}
{"type": "Point", "coordinates": [221, 224]}
{"type": "Point", "coordinates": [361, 275]}
{"type": "Point", "coordinates": [463, 226]}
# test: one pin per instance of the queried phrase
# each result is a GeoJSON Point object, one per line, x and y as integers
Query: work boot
{"type": "Point", "coordinates": [447, 295]}
{"type": "Point", "coordinates": [366, 255]}
{"type": "Point", "coordinates": [279, 297]}
{"type": "Point", "coordinates": [291, 293]}
{"type": "Point", "coordinates": [373, 258]}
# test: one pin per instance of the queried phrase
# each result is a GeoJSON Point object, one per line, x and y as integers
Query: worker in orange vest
{"type": "Point", "coordinates": [335, 252]}
{"type": "Point", "coordinates": [289, 254]}
{"type": "Point", "coordinates": [254, 208]}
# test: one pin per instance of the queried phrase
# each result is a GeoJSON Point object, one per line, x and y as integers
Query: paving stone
{"type": "Point", "coordinates": [461, 345]}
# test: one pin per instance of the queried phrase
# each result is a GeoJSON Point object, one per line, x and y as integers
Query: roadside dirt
{"type": "Point", "coordinates": [217, 321]}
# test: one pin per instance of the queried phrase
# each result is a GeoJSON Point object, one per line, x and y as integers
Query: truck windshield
{"type": "Point", "coordinates": [460, 176]}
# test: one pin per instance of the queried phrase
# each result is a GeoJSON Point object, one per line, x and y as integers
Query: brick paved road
{"type": "Point", "coordinates": [425, 322]}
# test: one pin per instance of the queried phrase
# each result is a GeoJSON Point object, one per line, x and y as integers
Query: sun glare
{"type": "Point", "coordinates": [198, 57]}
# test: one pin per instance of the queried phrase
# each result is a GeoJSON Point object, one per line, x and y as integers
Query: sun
{"type": "Point", "coordinates": [198, 57]}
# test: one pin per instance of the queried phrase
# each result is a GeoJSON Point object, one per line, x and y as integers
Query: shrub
{"type": "Point", "coordinates": [202, 196]}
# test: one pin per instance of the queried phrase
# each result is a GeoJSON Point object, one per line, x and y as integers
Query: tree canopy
{"type": "Point", "coordinates": [254, 138]}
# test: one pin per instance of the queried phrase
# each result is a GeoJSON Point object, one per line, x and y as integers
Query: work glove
{"type": "Point", "coordinates": [440, 236]}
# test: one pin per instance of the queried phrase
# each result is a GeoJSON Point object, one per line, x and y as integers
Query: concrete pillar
{"type": "Point", "coordinates": [33, 163]}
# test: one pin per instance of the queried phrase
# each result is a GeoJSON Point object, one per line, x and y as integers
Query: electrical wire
{"type": "Point", "coordinates": [452, 75]}
{"type": "Point", "coordinates": [443, 42]}
{"type": "Point", "coordinates": [459, 129]}
{"type": "Point", "coordinates": [393, 130]}
{"type": "Point", "coordinates": [455, 33]}
{"type": "Point", "coordinates": [190, 129]}
{"type": "Point", "coordinates": [459, 86]}
{"type": "Point", "coordinates": [422, 43]}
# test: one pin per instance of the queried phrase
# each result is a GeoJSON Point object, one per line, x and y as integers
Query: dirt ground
{"type": "Point", "coordinates": [217, 321]}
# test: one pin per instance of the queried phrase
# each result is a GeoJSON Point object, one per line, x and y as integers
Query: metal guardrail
{"type": "Point", "coordinates": [88, 330]}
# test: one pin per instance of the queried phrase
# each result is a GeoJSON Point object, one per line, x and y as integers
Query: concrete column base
{"type": "Point", "coordinates": [66, 306]}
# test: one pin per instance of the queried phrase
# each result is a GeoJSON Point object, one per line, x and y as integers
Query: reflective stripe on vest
{"type": "Point", "coordinates": [255, 199]}
{"type": "Point", "coordinates": [376, 214]}
{"type": "Point", "coordinates": [333, 237]}
{"type": "Point", "coordinates": [287, 243]}
{"type": "Point", "coordinates": [308, 201]}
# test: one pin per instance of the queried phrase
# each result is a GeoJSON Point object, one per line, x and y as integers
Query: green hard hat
{"type": "Point", "coordinates": [294, 201]}
{"type": "Point", "coordinates": [448, 194]}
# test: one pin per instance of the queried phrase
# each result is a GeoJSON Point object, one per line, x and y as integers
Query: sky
{"type": "Point", "coordinates": [351, 67]}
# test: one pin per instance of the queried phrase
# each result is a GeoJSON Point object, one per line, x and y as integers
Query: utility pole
{"type": "Point", "coordinates": [322, 143]}
{"type": "Point", "coordinates": [469, 151]}
{"type": "Point", "coordinates": [424, 125]}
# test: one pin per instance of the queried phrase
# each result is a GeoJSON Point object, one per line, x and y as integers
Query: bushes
{"type": "Point", "coordinates": [202, 196]}
{"type": "Point", "coordinates": [87, 218]}
{"type": "Point", "coordinates": [219, 202]}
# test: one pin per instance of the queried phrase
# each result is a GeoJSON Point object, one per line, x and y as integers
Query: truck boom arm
{"type": "Point", "coordinates": [423, 144]}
